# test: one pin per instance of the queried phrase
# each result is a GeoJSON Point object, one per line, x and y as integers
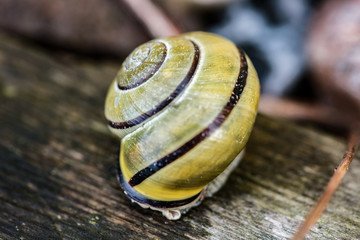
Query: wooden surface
{"type": "Point", "coordinates": [58, 163]}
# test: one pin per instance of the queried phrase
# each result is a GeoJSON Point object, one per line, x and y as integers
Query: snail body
{"type": "Point", "coordinates": [184, 108]}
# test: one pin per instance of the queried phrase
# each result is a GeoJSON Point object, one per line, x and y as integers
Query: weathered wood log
{"type": "Point", "coordinates": [58, 163]}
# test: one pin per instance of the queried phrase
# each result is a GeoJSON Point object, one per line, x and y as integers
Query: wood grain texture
{"type": "Point", "coordinates": [58, 163]}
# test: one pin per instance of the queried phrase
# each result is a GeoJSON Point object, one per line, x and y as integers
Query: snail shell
{"type": "Point", "coordinates": [184, 108]}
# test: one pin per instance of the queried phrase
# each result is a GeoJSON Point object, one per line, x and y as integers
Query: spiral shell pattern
{"type": "Point", "coordinates": [184, 108]}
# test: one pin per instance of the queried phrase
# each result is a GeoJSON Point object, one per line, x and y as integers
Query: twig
{"type": "Point", "coordinates": [286, 108]}
{"type": "Point", "coordinates": [333, 184]}
{"type": "Point", "coordinates": [295, 110]}
{"type": "Point", "coordinates": [158, 24]}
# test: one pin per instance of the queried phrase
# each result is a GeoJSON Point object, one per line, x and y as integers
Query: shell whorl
{"type": "Point", "coordinates": [184, 108]}
{"type": "Point", "coordinates": [174, 60]}
{"type": "Point", "coordinates": [141, 65]}
{"type": "Point", "coordinates": [150, 71]}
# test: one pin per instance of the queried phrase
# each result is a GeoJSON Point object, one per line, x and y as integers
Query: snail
{"type": "Point", "coordinates": [183, 108]}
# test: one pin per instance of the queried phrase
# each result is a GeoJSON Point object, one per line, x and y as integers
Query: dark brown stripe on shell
{"type": "Point", "coordinates": [144, 79]}
{"type": "Point", "coordinates": [146, 172]}
{"type": "Point", "coordinates": [131, 193]}
{"type": "Point", "coordinates": [179, 89]}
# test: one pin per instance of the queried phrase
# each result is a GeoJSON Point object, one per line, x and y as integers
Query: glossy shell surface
{"type": "Point", "coordinates": [184, 108]}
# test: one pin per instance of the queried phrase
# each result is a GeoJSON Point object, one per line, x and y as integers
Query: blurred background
{"type": "Point", "coordinates": [306, 52]}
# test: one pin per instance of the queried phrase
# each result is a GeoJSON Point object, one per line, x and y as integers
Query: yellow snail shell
{"type": "Point", "coordinates": [184, 108]}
